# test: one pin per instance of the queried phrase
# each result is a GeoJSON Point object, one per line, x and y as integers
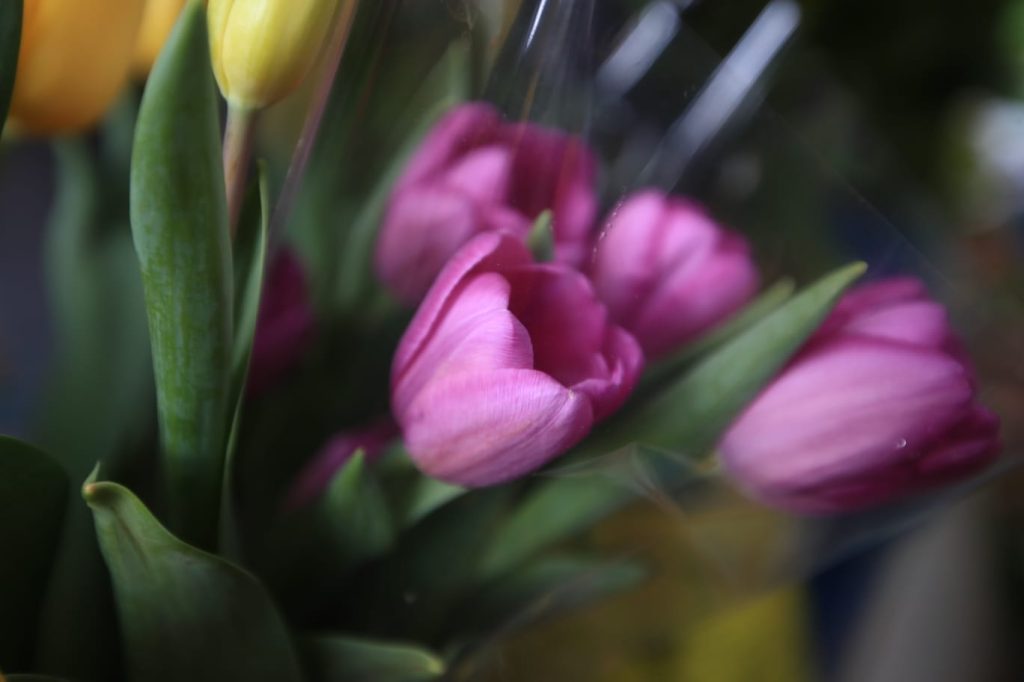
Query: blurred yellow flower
{"type": "Point", "coordinates": [157, 22]}
{"type": "Point", "coordinates": [73, 60]}
{"type": "Point", "coordinates": [262, 49]}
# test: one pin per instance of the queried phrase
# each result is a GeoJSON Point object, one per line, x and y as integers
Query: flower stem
{"type": "Point", "coordinates": [238, 136]}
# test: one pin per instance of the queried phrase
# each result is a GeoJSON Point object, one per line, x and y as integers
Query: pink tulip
{"type": "Point", "coordinates": [507, 364]}
{"type": "Point", "coordinates": [879, 403]}
{"type": "Point", "coordinates": [285, 324]}
{"type": "Point", "coordinates": [475, 173]}
{"type": "Point", "coordinates": [668, 273]}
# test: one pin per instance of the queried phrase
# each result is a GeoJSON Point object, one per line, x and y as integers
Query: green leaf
{"type": "Point", "coordinates": [250, 268]}
{"type": "Point", "coordinates": [690, 415]}
{"type": "Point", "coordinates": [541, 239]}
{"type": "Point", "coordinates": [180, 227]}
{"type": "Point", "coordinates": [428, 495]}
{"type": "Point", "coordinates": [33, 496]}
{"type": "Point", "coordinates": [185, 614]}
{"type": "Point", "coordinates": [333, 658]}
{"type": "Point", "coordinates": [552, 511]}
{"type": "Point", "coordinates": [544, 589]}
{"type": "Point", "coordinates": [574, 497]}
{"type": "Point", "coordinates": [312, 549]}
{"type": "Point", "coordinates": [10, 42]}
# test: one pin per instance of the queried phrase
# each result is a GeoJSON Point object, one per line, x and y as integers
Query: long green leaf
{"type": "Point", "coordinates": [10, 41]}
{"type": "Point", "coordinates": [690, 415]}
{"type": "Point", "coordinates": [250, 267]}
{"type": "Point", "coordinates": [185, 614]}
{"type": "Point", "coordinates": [179, 222]}
{"type": "Point", "coordinates": [333, 658]}
{"type": "Point", "coordinates": [33, 495]}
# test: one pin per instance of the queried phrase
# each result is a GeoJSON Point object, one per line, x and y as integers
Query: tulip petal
{"type": "Point", "coordinates": [477, 334]}
{"type": "Point", "coordinates": [478, 429]}
{"type": "Point", "coordinates": [623, 360]}
{"type": "Point", "coordinates": [847, 409]}
{"type": "Point", "coordinates": [482, 174]}
{"type": "Point", "coordinates": [458, 131]}
{"type": "Point", "coordinates": [696, 296]}
{"type": "Point", "coordinates": [410, 250]}
{"type": "Point", "coordinates": [921, 323]}
{"type": "Point", "coordinates": [480, 252]}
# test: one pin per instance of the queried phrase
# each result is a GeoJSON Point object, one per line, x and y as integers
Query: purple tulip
{"type": "Point", "coordinates": [668, 273]}
{"type": "Point", "coordinates": [285, 324]}
{"type": "Point", "coordinates": [475, 173]}
{"type": "Point", "coordinates": [507, 364]}
{"type": "Point", "coordinates": [879, 403]}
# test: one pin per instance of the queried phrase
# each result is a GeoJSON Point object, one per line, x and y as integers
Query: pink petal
{"type": "Point", "coordinates": [482, 174]}
{"type": "Point", "coordinates": [460, 130]}
{"type": "Point", "coordinates": [476, 334]}
{"type": "Point", "coordinates": [921, 323]}
{"type": "Point", "coordinates": [855, 406]}
{"type": "Point", "coordinates": [479, 429]}
{"type": "Point", "coordinates": [696, 297]}
{"type": "Point", "coordinates": [422, 228]}
{"type": "Point", "coordinates": [565, 320]}
{"type": "Point", "coordinates": [488, 250]}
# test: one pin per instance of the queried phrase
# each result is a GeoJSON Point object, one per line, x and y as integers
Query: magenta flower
{"type": "Point", "coordinates": [879, 403]}
{"type": "Point", "coordinates": [507, 364]}
{"type": "Point", "coordinates": [668, 273]}
{"type": "Point", "coordinates": [285, 324]}
{"type": "Point", "coordinates": [475, 173]}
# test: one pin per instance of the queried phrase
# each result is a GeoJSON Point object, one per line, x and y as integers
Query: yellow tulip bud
{"type": "Point", "coordinates": [74, 58]}
{"type": "Point", "coordinates": [157, 22]}
{"type": "Point", "coordinates": [262, 49]}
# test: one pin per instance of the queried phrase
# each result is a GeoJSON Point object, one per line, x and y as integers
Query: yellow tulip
{"type": "Point", "coordinates": [74, 58]}
{"type": "Point", "coordinates": [157, 22]}
{"type": "Point", "coordinates": [262, 49]}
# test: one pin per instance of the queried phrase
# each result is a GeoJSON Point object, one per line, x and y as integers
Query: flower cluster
{"type": "Point", "coordinates": [509, 362]}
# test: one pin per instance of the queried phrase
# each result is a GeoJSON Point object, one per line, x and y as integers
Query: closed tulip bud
{"type": "Point", "coordinates": [880, 403]}
{"type": "Point", "coordinates": [506, 364]}
{"type": "Point", "coordinates": [157, 22]}
{"type": "Point", "coordinates": [668, 273]}
{"type": "Point", "coordinates": [285, 323]}
{"type": "Point", "coordinates": [73, 60]}
{"type": "Point", "coordinates": [262, 49]}
{"type": "Point", "coordinates": [475, 173]}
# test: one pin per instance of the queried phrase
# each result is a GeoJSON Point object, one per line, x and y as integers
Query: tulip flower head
{"type": "Point", "coordinates": [73, 60]}
{"type": "Point", "coordinates": [879, 403]}
{"type": "Point", "coordinates": [157, 22]}
{"type": "Point", "coordinates": [475, 173]}
{"type": "Point", "coordinates": [668, 273]}
{"type": "Point", "coordinates": [506, 364]}
{"type": "Point", "coordinates": [263, 49]}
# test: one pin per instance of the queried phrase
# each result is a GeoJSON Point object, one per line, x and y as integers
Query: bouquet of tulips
{"type": "Point", "coordinates": [340, 418]}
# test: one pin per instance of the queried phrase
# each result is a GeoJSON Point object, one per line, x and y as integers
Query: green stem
{"type": "Point", "coordinates": [238, 137]}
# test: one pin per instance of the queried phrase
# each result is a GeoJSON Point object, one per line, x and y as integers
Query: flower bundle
{"type": "Point", "coordinates": [346, 439]}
